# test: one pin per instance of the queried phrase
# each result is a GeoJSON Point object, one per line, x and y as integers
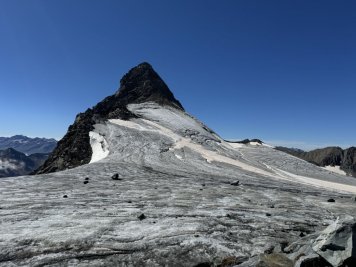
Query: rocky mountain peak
{"type": "Point", "coordinates": [143, 84]}
{"type": "Point", "coordinates": [140, 84]}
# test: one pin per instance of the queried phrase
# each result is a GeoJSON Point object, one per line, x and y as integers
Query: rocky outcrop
{"type": "Point", "coordinates": [337, 243]}
{"type": "Point", "coordinates": [349, 161]}
{"type": "Point", "coordinates": [247, 141]}
{"type": "Point", "coordinates": [325, 156]}
{"type": "Point", "coordinates": [140, 84]}
{"type": "Point", "coordinates": [143, 84]}
{"type": "Point", "coordinates": [335, 246]}
{"type": "Point", "coordinates": [329, 156]}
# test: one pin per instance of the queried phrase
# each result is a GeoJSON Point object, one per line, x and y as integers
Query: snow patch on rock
{"type": "Point", "coordinates": [255, 144]}
{"type": "Point", "coordinates": [99, 147]}
{"type": "Point", "coordinates": [335, 169]}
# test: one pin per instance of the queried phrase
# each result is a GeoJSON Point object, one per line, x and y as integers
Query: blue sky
{"type": "Point", "coordinates": [282, 71]}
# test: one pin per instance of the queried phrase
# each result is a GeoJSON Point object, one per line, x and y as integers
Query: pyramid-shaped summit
{"type": "Point", "coordinates": [141, 84]}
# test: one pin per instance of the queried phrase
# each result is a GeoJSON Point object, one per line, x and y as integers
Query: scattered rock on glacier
{"type": "Point", "coordinates": [116, 177]}
{"type": "Point", "coordinates": [331, 200]}
{"type": "Point", "coordinates": [236, 183]}
{"type": "Point", "coordinates": [142, 217]}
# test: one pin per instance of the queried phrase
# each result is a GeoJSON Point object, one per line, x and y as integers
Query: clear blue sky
{"type": "Point", "coordinates": [282, 71]}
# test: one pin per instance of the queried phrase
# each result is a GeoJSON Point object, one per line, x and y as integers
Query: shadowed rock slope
{"type": "Point", "coordinates": [140, 84]}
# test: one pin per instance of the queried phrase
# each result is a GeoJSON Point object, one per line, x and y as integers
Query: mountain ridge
{"type": "Point", "coordinates": [27, 144]}
{"type": "Point", "coordinates": [328, 156]}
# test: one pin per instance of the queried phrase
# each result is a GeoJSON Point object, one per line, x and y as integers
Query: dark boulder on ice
{"type": "Point", "coordinates": [116, 177]}
{"type": "Point", "coordinates": [235, 183]}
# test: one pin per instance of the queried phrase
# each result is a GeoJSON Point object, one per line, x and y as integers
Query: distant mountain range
{"type": "Point", "coordinates": [345, 159]}
{"type": "Point", "coordinates": [15, 163]}
{"type": "Point", "coordinates": [20, 155]}
{"type": "Point", "coordinates": [28, 145]}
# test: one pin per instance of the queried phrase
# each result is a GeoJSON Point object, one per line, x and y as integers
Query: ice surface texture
{"type": "Point", "coordinates": [178, 173]}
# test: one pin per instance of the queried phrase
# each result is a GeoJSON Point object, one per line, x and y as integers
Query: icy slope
{"type": "Point", "coordinates": [165, 134]}
{"type": "Point", "coordinates": [180, 178]}
{"type": "Point", "coordinates": [193, 214]}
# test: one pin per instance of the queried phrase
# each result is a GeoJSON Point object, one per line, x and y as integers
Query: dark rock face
{"type": "Point", "coordinates": [28, 145]}
{"type": "Point", "coordinates": [15, 163]}
{"type": "Point", "coordinates": [334, 156]}
{"type": "Point", "coordinates": [74, 148]}
{"type": "Point", "coordinates": [236, 183]}
{"type": "Point", "coordinates": [116, 177]}
{"type": "Point", "coordinates": [247, 141]}
{"type": "Point", "coordinates": [325, 156]}
{"type": "Point", "coordinates": [349, 161]}
{"type": "Point", "coordinates": [315, 261]}
{"type": "Point", "coordinates": [140, 84]}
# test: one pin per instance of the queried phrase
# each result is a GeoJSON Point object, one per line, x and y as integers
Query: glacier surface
{"type": "Point", "coordinates": [180, 175]}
